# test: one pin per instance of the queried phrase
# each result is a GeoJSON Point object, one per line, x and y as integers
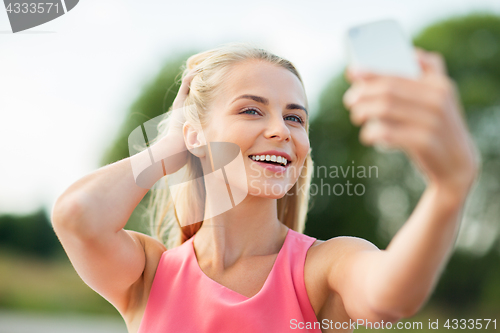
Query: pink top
{"type": "Point", "coordinates": [184, 299]}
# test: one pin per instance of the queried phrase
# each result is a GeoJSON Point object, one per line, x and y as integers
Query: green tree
{"type": "Point", "coordinates": [471, 47]}
{"type": "Point", "coordinates": [29, 234]}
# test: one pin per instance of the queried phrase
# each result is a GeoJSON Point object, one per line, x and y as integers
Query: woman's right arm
{"type": "Point", "coordinates": [89, 218]}
{"type": "Point", "coordinates": [90, 215]}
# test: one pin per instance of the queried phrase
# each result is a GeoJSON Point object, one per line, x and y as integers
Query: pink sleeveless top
{"type": "Point", "coordinates": [184, 299]}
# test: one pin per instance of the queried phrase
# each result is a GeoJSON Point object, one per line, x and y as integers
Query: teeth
{"type": "Point", "coordinates": [272, 158]}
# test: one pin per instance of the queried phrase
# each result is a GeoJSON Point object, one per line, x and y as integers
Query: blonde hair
{"type": "Point", "coordinates": [213, 66]}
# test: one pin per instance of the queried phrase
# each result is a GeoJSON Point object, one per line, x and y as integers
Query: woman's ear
{"type": "Point", "coordinates": [194, 139]}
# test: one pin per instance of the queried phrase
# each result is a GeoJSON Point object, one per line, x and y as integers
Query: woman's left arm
{"type": "Point", "coordinates": [424, 119]}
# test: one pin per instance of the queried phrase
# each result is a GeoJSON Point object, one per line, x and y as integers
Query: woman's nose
{"type": "Point", "coordinates": [277, 129]}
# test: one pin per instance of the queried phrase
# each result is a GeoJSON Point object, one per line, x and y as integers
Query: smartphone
{"type": "Point", "coordinates": [382, 47]}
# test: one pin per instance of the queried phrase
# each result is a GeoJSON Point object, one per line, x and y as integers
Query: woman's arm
{"type": "Point", "coordinates": [423, 118]}
{"type": "Point", "coordinates": [90, 215]}
{"type": "Point", "coordinates": [394, 283]}
{"type": "Point", "coordinates": [404, 275]}
{"type": "Point", "coordinates": [88, 219]}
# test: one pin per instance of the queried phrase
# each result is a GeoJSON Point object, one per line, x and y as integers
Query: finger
{"type": "Point", "coordinates": [394, 135]}
{"type": "Point", "coordinates": [353, 74]}
{"type": "Point", "coordinates": [348, 74]}
{"type": "Point", "coordinates": [394, 90]}
{"type": "Point", "coordinates": [184, 88]}
{"type": "Point", "coordinates": [186, 81]}
{"type": "Point", "coordinates": [395, 111]}
{"type": "Point", "coordinates": [413, 142]}
{"type": "Point", "coordinates": [431, 62]}
{"type": "Point", "coordinates": [363, 75]}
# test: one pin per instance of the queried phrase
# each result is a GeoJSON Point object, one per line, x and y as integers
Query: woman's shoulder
{"type": "Point", "coordinates": [325, 250]}
{"type": "Point", "coordinates": [336, 247]}
{"type": "Point", "coordinates": [322, 257]}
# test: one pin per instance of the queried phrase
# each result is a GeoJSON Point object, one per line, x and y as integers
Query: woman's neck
{"type": "Point", "coordinates": [251, 228]}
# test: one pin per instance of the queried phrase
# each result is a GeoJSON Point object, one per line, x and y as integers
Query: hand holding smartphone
{"type": "Point", "coordinates": [381, 47]}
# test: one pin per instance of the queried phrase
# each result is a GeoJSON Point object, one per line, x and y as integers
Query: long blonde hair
{"type": "Point", "coordinates": [213, 66]}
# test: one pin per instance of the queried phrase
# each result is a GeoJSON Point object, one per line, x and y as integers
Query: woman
{"type": "Point", "coordinates": [246, 266]}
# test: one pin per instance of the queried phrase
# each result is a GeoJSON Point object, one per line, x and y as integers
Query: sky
{"type": "Point", "coordinates": [65, 86]}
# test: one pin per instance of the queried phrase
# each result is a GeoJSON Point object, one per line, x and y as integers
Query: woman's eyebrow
{"type": "Point", "coordinates": [265, 101]}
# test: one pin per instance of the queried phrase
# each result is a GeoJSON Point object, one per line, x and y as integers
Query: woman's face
{"type": "Point", "coordinates": [261, 108]}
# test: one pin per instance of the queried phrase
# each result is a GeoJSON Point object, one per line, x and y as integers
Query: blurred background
{"type": "Point", "coordinates": [73, 89]}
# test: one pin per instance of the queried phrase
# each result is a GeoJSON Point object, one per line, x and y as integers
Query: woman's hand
{"type": "Point", "coordinates": [422, 117]}
{"type": "Point", "coordinates": [172, 148]}
{"type": "Point", "coordinates": [177, 118]}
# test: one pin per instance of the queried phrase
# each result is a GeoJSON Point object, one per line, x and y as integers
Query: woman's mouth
{"type": "Point", "coordinates": [273, 163]}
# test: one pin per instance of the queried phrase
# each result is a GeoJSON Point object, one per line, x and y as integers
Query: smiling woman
{"type": "Point", "coordinates": [227, 252]}
{"type": "Point", "coordinates": [232, 98]}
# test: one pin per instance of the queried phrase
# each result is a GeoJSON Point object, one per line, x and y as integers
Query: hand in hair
{"type": "Point", "coordinates": [172, 148]}
{"type": "Point", "coordinates": [177, 119]}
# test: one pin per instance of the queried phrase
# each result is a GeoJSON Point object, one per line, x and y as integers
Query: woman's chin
{"type": "Point", "coordinates": [268, 196]}
{"type": "Point", "coordinates": [270, 190]}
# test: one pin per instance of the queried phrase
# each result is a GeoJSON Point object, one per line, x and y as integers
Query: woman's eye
{"type": "Point", "coordinates": [250, 111]}
{"type": "Point", "coordinates": [295, 118]}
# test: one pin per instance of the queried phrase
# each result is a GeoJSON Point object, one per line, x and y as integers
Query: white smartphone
{"type": "Point", "coordinates": [382, 47]}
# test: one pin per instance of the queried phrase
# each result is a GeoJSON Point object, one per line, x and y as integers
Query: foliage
{"type": "Point", "coordinates": [471, 47]}
{"type": "Point", "coordinates": [36, 274]}
{"type": "Point", "coordinates": [29, 234]}
{"type": "Point", "coordinates": [28, 283]}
